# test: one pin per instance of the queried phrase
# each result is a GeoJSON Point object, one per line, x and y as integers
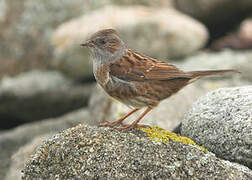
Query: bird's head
{"type": "Point", "coordinates": [105, 43]}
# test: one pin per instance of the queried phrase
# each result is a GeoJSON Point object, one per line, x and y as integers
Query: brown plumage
{"type": "Point", "coordinates": [135, 79]}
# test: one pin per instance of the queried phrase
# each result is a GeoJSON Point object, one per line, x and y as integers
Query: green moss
{"type": "Point", "coordinates": [158, 134]}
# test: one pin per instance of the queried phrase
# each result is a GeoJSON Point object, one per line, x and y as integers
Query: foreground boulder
{"type": "Point", "coordinates": [16, 145]}
{"type": "Point", "coordinates": [222, 122]}
{"type": "Point", "coordinates": [86, 152]}
{"type": "Point", "coordinates": [18, 159]}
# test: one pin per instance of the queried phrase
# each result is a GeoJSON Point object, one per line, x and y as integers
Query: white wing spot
{"type": "Point", "coordinates": [152, 66]}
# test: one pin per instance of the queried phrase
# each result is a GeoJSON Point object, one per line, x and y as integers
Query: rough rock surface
{"type": "Point", "coordinates": [12, 140]}
{"type": "Point", "coordinates": [160, 33]}
{"type": "Point", "coordinates": [19, 158]}
{"type": "Point", "coordinates": [38, 95]}
{"type": "Point", "coordinates": [221, 121]}
{"type": "Point", "coordinates": [92, 153]}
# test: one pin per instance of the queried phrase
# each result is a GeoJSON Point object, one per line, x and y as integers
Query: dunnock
{"type": "Point", "coordinates": [133, 78]}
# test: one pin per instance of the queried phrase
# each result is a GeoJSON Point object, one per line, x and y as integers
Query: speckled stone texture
{"type": "Point", "coordinates": [12, 141]}
{"type": "Point", "coordinates": [221, 121]}
{"type": "Point", "coordinates": [86, 152]}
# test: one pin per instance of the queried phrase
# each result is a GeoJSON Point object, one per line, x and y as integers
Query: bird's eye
{"type": "Point", "coordinates": [101, 41]}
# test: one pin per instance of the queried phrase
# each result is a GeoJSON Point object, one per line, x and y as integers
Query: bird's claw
{"type": "Point", "coordinates": [127, 127]}
{"type": "Point", "coordinates": [110, 124]}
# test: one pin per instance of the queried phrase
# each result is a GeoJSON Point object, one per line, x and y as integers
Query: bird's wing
{"type": "Point", "coordinates": [136, 67]}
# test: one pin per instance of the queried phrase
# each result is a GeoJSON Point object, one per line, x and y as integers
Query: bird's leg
{"type": "Point", "coordinates": [111, 124]}
{"type": "Point", "coordinates": [134, 124]}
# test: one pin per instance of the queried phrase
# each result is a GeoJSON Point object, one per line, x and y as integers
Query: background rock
{"type": "Point", "coordinates": [12, 141]}
{"type": "Point", "coordinates": [220, 16]}
{"type": "Point", "coordinates": [221, 121]}
{"type": "Point", "coordinates": [245, 30]}
{"type": "Point", "coordinates": [227, 59]}
{"type": "Point", "coordinates": [85, 152]}
{"type": "Point", "coordinates": [26, 27]}
{"type": "Point", "coordinates": [153, 3]}
{"type": "Point", "coordinates": [38, 95]}
{"type": "Point", "coordinates": [160, 33]}
{"type": "Point", "coordinates": [242, 39]}
{"type": "Point", "coordinates": [25, 30]}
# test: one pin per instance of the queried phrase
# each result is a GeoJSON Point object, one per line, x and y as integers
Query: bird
{"type": "Point", "coordinates": [135, 79]}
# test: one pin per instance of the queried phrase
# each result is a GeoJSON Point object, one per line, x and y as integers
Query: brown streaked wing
{"type": "Point", "coordinates": [137, 67]}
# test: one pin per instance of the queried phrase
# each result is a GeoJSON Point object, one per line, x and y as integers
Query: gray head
{"type": "Point", "coordinates": [106, 45]}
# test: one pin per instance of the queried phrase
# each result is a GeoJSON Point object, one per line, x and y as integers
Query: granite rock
{"type": "Point", "coordinates": [86, 152]}
{"type": "Point", "coordinates": [16, 145]}
{"type": "Point", "coordinates": [19, 158]}
{"type": "Point", "coordinates": [221, 121]}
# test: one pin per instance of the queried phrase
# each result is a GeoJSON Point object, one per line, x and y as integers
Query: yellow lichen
{"type": "Point", "coordinates": [158, 134]}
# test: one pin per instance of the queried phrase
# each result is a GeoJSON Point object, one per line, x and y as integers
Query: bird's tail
{"type": "Point", "coordinates": [195, 75]}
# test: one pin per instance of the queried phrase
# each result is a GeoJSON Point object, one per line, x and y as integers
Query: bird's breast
{"type": "Point", "coordinates": [101, 74]}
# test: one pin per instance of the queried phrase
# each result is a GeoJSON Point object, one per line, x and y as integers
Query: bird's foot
{"type": "Point", "coordinates": [127, 127]}
{"type": "Point", "coordinates": [110, 124]}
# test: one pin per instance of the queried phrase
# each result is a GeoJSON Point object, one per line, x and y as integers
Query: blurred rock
{"type": "Point", "coordinates": [170, 112]}
{"type": "Point", "coordinates": [221, 121]}
{"type": "Point", "coordinates": [231, 41]}
{"type": "Point", "coordinates": [86, 152]}
{"type": "Point", "coordinates": [239, 60]}
{"type": "Point", "coordinates": [25, 30]}
{"type": "Point", "coordinates": [30, 135]}
{"type": "Point", "coordinates": [38, 95]}
{"type": "Point", "coordinates": [153, 3]}
{"type": "Point", "coordinates": [238, 40]}
{"type": "Point", "coordinates": [219, 15]}
{"type": "Point", "coordinates": [160, 33]}
{"type": "Point", "coordinates": [26, 27]}
{"type": "Point", "coordinates": [245, 30]}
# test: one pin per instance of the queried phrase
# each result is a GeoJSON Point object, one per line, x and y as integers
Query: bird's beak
{"type": "Point", "coordinates": [88, 43]}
